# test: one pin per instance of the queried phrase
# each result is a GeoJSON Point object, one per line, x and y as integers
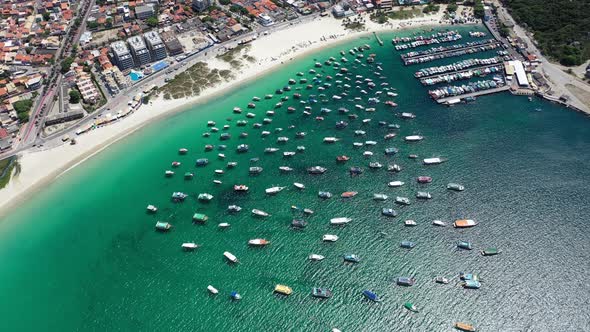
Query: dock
{"type": "Point", "coordinates": [474, 94]}
{"type": "Point", "coordinates": [378, 39]}
{"type": "Point", "coordinates": [425, 78]}
{"type": "Point", "coordinates": [447, 51]}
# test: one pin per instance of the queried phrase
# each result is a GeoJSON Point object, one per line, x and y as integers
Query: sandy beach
{"type": "Point", "coordinates": [40, 167]}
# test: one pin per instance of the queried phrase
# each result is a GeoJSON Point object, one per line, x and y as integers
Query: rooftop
{"type": "Point", "coordinates": [136, 43]}
{"type": "Point", "coordinates": [119, 48]}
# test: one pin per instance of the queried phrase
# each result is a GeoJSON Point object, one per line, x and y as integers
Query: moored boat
{"type": "Point", "coordinates": [163, 226]}
{"type": "Point", "coordinates": [407, 244]}
{"type": "Point", "coordinates": [235, 296]}
{"type": "Point", "coordinates": [316, 170]}
{"type": "Point", "coordinates": [260, 213]}
{"type": "Point", "coordinates": [298, 223]}
{"type": "Point", "coordinates": [152, 208]}
{"type": "Point", "coordinates": [188, 246]}
{"type": "Point", "coordinates": [258, 242]}
{"type": "Point", "coordinates": [299, 185]}
{"type": "Point", "coordinates": [348, 194]}
{"type": "Point", "coordinates": [371, 296]}
{"type": "Point", "coordinates": [439, 223]}
{"type": "Point", "coordinates": [329, 238]}
{"type": "Point", "coordinates": [406, 281]}
{"type": "Point", "coordinates": [410, 306]}
{"type": "Point", "coordinates": [471, 284]}
{"type": "Point", "coordinates": [234, 208]}
{"type": "Point", "coordinates": [424, 179]}
{"type": "Point", "coordinates": [205, 197]}
{"type": "Point", "coordinates": [274, 190]}
{"type": "Point", "coordinates": [230, 257]}
{"type": "Point", "coordinates": [402, 200]}
{"type": "Point", "coordinates": [388, 212]}
{"type": "Point", "coordinates": [490, 252]}
{"type": "Point", "coordinates": [380, 197]}
{"type": "Point", "coordinates": [464, 327]}
{"type": "Point", "coordinates": [323, 293]}
{"type": "Point", "coordinates": [441, 280]}
{"type": "Point", "coordinates": [200, 217]}
{"type": "Point", "coordinates": [464, 223]}
{"type": "Point", "coordinates": [410, 223]}
{"type": "Point", "coordinates": [352, 258]}
{"type": "Point", "coordinates": [413, 138]}
{"type": "Point", "coordinates": [455, 187]}
{"type": "Point", "coordinates": [212, 290]}
{"type": "Point", "coordinates": [283, 289]}
{"type": "Point", "coordinates": [464, 245]}
{"type": "Point", "coordinates": [240, 187]}
{"type": "Point", "coordinates": [395, 184]}
{"type": "Point", "coordinates": [423, 195]}
{"type": "Point", "coordinates": [316, 257]}
{"type": "Point", "coordinates": [433, 161]}
{"type": "Point", "coordinates": [340, 221]}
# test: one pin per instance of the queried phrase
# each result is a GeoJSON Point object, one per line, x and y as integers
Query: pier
{"type": "Point", "coordinates": [449, 53]}
{"type": "Point", "coordinates": [424, 79]}
{"type": "Point", "coordinates": [474, 94]}
{"type": "Point", "coordinates": [378, 39]}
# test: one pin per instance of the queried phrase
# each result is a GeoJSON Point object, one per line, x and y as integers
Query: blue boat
{"type": "Point", "coordinates": [468, 276]}
{"type": "Point", "coordinates": [352, 258]}
{"type": "Point", "coordinates": [371, 296]}
{"type": "Point", "coordinates": [464, 245]}
{"type": "Point", "coordinates": [202, 162]}
{"type": "Point", "coordinates": [235, 295]}
{"type": "Point", "coordinates": [408, 244]}
{"type": "Point", "coordinates": [389, 212]}
{"type": "Point", "coordinates": [471, 284]}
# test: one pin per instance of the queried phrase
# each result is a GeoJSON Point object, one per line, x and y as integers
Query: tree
{"type": "Point", "coordinates": [75, 96]}
{"type": "Point", "coordinates": [152, 21]}
{"type": "Point", "coordinates": [224, 2]}
{"type": "Point", "coordinates": [452, 7]}
{"type": "Point", "coordinates": [46, 16]}
{"type": "Point", "coordinates": [92, 25]}
{"type": "Point", "coordinates": [66, 64]}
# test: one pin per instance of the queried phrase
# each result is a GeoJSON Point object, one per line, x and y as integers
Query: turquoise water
{"type": "Point", "coordinates": [82, 255]}
{"type": "Point", "coordinates": [135, 76]}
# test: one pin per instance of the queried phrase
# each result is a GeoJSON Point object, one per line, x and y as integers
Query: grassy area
{"type": "Point", "coordinates": [403, 13]}
{"type": "Point", "coordinates": [355, 24]}
{"type": "Point", "coordinates": [6, 167]}
{"type": "Point", "coordinates": [232, 54]}
{"type": "Point", "coordinates": [193, 81]}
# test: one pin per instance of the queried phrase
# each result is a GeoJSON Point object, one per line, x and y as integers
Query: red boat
{"type": "Point", "coordinates": [342, 158]}
{"type": "Point", "coordinates": [240, 187]}
{"type": "Point", "coordinates": [319, 118]}
{"type": "Point", "coordinates": [424, 179]}
{"type": "Point", "coordinates": [348, 194]}
{"type": "Point", "coordinates": [390, 103]}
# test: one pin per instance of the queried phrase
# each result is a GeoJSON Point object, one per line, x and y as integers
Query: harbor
{"type": "Point", "coordinates": [472, 49]}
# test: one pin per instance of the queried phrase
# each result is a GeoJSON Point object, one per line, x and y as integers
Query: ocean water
{"type": "Point", "coordinates": [83, 255]}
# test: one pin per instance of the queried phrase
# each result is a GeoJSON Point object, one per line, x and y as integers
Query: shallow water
{"type": "Point", "coordinates": [82, 255]}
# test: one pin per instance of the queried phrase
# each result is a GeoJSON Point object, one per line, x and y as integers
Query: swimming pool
{"type": "Point", "coordinates": [135, 76]}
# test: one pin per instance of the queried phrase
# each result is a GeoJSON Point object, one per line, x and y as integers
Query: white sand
{"type": "Point", "coordinates": [39, 168]}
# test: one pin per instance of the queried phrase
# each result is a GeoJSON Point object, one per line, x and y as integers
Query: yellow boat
{"type": "Point", "coordinates": [464, 327]}
{"type": "Point", "coordinates": [282, 289]}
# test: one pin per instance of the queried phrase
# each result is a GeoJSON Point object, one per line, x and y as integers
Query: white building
{"type": "Point", "coordinates": [121, 55]}
{"type": "Point", "coordinates": [155, 45]}
{"type": "Point", "coordinates": [140, 52]}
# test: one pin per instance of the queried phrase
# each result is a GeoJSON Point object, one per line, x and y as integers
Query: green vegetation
{"type": "Point", "coordinates": [46, 16]}
{"type": "Point", "coordinates": [193, 81]}
{"type": "Point", "coordinates": [6, 167]}
{"type": "Point", "coordinates": [22, 108]}
{"type": "Point", "coordinates": [224, 2]}
{"type": "Point", "coordinates": [353, 24]}
{"type": "Point", "coordinates": [75, 96]}
{"type": "Point", "coordinates": [238, 9]}
{"type": "Point", "coordinates": [152, 21]}
{"type": "Point", "coordinates": [452, 7]}
{"type": "Point", "coordinates": [65, 64]}
{"type": "Point", "coordinates": [561, 27]}
{"type": "Point", "coordinates": [478, 10]}
{"type": "Point", "coordinates": [92, 25]}
{"type": "Point", "coordinates": [431, 8]}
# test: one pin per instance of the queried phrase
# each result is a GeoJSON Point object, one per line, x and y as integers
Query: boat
{"type": "Point", "coordinates": [282, 139]}
{"type": "Point", "coordinates": [300, 148]}
{"type": "Point", "coordinates": [298, 223]}
{"type": "Point", "coordinates": [394, 168]}
{"type": "Point", "coordinates": [232, 164]}
{"type": "Point", "coordinates": [380, 197]}
{"type": "Point", "coordinates": [175, 163]}
{"type": "Point", "coordinates": [217, 182]}
{"type": "Point", "coordinates": [282, 289]}
{"type": "Point", "coordinates": [439, 223]}
{"type": "Point", "coordinates": [413, 138]}
{"type": "Point", "coordinates": [413, 156]}
{"type": "Point", "coordinates": [330, 139]}
{"type": "Point", "coordinates": [240, 187]}
{"type": "Point", "coordinates": [258, 242]}
{"type": "Point", "coordinates": [360, 132]}
{"type": "Point", "coordinates": [225, 136]}
{"type": "Point", "coordinates": [371, 143]}
{"type": "Point", "coordinates": [342, 158]}
{"type": "Point", "coordinates": [210, 123]}
{"type": "Point", "coordinates": [200, 217]}
{"type": "Point", "coordinates": [375, 164]}
{"type": "Point", "coordinates": [188, 175]}
{"type": "Point", "coordinates": [300, 134]}
{"type": "Point", "coordinates": [202, 162]}
{"type": "Point", "coordinates": [471, 284]}
{"type": "Point", "coordinates": [260, 213]}
{"type": "Point", "coordinates": [242, 148]}
{"type": "Point", "coordinates": [410, 222]}
{"type": "Point", "coordinates": [212, 290]}
{"type": "Point", "coordinates": [406, 281]}
{"type": "Point", "coordinates": [168, 173]}
{"type": "Point", "coordinates": [178, 196]}
{"type": "Point", "coordinates": [289, 153]}
{"type": "Point", "coordinates": [464, 327]}
{"type": "Point", "coordinates": [223, 225]}
{"type": "Point", "coordinates": [265, 133]}
{"type": "Point", "coordinates": [255, 170]}
{"type": "Point", "coordinates": [371, 296]}
{"type": "Point", "coordinates": [352, 258]}
{"type": "Point", "coordinates": [468, 276]}
{"type": "Point", "coordinates": [234, 208]}
{"type": "Point", "coordinates": [464, 223]}
{"type": "Point", "coordinates": [205, 197]}
{"type": "Point", "coordinates": [410, 306]}
{"type": "Point", "coordinates": [408, 115]}
{"type": "Point", "coordinates": [441, 280]}
{"type": "Point", "coordinates": [329, 238]}
{"type": "Point", "coordinates": [163, 226]}
{"type": "Point", "coordinates": [424, 179]}
{"type": "Point", "coordinates": [315, 257]}
{"type": "Point", "coordinates": [490, 252]}
{"type": "Point", "coordinates": [274, 190]}
{"type": "Point", "coordinates": [285, 169]}
{"type": "Point", "coordinates": [317, 170]}
{"type": "Point", "coordinates": [464, 245]}
{"type": "Point", "coordinates": [391, 151]}
{"type": "Point", "coordinates": [152, 209]}
{"type": "Point", "coordinates": [339, 221]}
{"type": "Point", "coordinates": [395, 184]}
{"type": "Point", "coordinates": [433, 161]}
{"type": "Point", "coordinates": [230, 257]}
{"type": "Point", "coordinates": [423, 195]}
{"type": "Point", "coordinates": [402, 200]}
{"type": "Point", "coordinates": [323, 293]}
{"type": "Point", "coordinates": [219, 172]}
{"type": "Point", "coordinates": [388, 212]}
{"type": "Point", "coordinates": [189, 246]}
{"type": "Point", "coordinates": [407, 244]}
{"type": "Point", "coordinates": [235, 296]}
{"type": "Point", "coordinates": [348, 194]}
{"type": "Point", "coordinates": [243, 135]}
{"type": "Point", "coordinates": [455, 187]}
{"type": "Point", "coordinates": [324, 194]}
{"type": "Point", "coordinates": [308, 211]}
{"type": "Point", "coordinates": [299, 185]}
{"type": "Point", "coordinates": [182, 151]}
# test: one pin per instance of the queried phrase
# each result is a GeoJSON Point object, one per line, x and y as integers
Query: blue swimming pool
{"type": "Point", "coordinates": [135, 76]}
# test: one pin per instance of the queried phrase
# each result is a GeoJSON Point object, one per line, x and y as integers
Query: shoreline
{"type": "Point", "coordinates": [42, 167]}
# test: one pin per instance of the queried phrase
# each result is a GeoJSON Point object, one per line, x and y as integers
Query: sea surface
{"type": "Point", "coordinates": [83, 254]}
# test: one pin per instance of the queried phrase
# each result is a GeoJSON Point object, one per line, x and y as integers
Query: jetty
{"type": "Point", "coordinates": [461, 75]}
{"type": "Point", "coordinates": [378, 39]}
{"type": "Point", "coordinates": [446, 100]}
{"type": "Point", "coordinates": [437, 55]}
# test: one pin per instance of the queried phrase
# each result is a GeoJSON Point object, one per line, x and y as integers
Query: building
{"type": "Point", "coordinates": [50, 120]}
{"type": "Point", "coordinates": [172, 43]}
{"type": "Point", "coordinates": [201, 5]}
{"type": "Point", "coordinates": [521, 77]}
{"type": "Point", "coordinates": [87, 89]}
{"type": "Point", "coordinates": [121, 55]}
{"type": "Point", "coordinates": [144, 12]}
{"type": "Point", "coordinates": [265, 20]}
{"type": "Point", "coordinates": [155, 45]}
{"type": "Point", "coordinates": [140, 52]}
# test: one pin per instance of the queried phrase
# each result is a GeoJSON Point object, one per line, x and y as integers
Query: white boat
{"type": "Point", "coordinates": [230, 257]}
{"type": "Point", "coordinates": [219, 171]}
{"type": "Point", "coordinates": [439, 223]}
{"type": "Point", "coordinates": [217, 182]}
{"type": "Point", "coordinates": [152, 208]}
{"type": "Point", "coordinates": [223, 225]}
{"type": "Point", "coordinates": [169, 173]}
{"type": "Point", "coordinates": [189, 246]}
{"type": "Point", "coordinates": [329, 238]}
{"type": "Point", "coordinates": [265, 133]}
{"type": "Point", "coordinates": [274, 190]}
{"type": "Point", "coordinates": [299, 185]}
{"type": "Point", "coordinates": [408, 115]}
{"type": "Point", "coordinates": [370, 143]}
{"type": "Point", "coordinates": [413, 138]}
{"type": "Point", "coordinates": [395, 184]}
{"type": "Point", "coordinates": [316, 257]}
{"type": "Point", "coordinates": [410, 223]}
{"type": "Point", "coordinates": [339, 221]}
{"type": "Point", "coordinates": [260, 213]}
{"type": "Point", "coordinates": [367, 153]}
{"type": "Point", "coordinates": [258, 242]}
{"type": "Point", "coordinates": [212, 289]}
{"type": "Point", "coordinates": [271, 150]}
{"type": "Point", "coordinates": [357, 144]}
{"type": "Point", "coordinates": [366, 120]}
{"type": "Point", "coordinates": [330, 139]}
{"type": "Point", "coordinates": [289, 153]}
{"type": "Point", "coordinates": [221, 156]}
{"type": "Point", "coordinates": [283, 139]}
{"type": "Point", "coordinates": [285, 169]}
{"type": "Point", "coordinates": [380, 197]}
{"type": "Point", "coordinates": [432, 161]}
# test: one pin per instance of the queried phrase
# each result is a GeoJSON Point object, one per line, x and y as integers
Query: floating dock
{"type": "Point", "coordinates": [473, 94]}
